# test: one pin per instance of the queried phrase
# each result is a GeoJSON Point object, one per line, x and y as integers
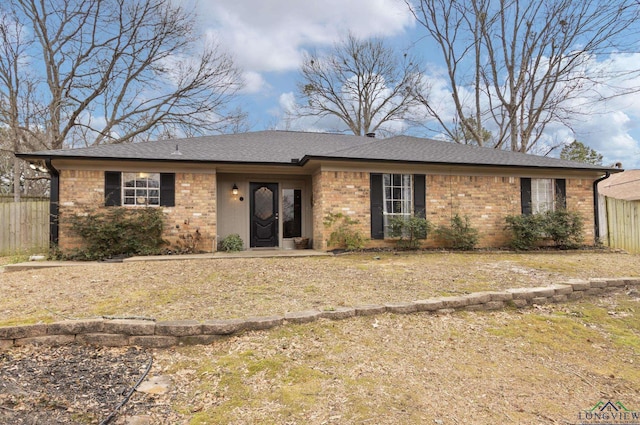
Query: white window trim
{"type": "Point", "coordinates": [543, 195]}
{"type": "Point", "coordinates": [140, 200]}
{"type": "Point", "coordinates": [406, 200]}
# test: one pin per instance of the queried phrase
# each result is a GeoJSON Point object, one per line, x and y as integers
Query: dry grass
{"type": "Point", "coordinates": [536, 366]}
{"type": "Point", "coordinates": [228, 288]}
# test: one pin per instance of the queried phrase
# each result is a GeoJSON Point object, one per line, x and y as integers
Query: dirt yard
{"type": "Point", "coordinates": [540, 365]}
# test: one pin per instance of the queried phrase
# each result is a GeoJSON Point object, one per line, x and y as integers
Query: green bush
{"type": "Point", "coordinates": [526, 231]}
{"type": "Point", "coordinates": [460, 235]}
{"type": "Point", "coordinates": [232, 243]}
{"type": "Point", "coordinates": [115, 232]}
{"type": "Point", "coordinates": [343, 234]}
{"type": "Point", "coordinates": [564, 228]}
{"type": "Point", "coordinates": [409, 231]}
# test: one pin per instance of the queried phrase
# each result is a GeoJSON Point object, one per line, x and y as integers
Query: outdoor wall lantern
{"type": "Point", "coordinates": [38, 167]}
{"type": "Point", "coordinates": [234, 190]}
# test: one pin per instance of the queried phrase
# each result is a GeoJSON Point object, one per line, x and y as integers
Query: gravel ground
{"type": "Point", "coordinates": [537, 366]}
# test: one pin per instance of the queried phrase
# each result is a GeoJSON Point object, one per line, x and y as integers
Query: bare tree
{"type": "Point", "coordinates": [109, 71]}
{"type": "Point", "coordinates": [363, 83]}
{"type": "Point", "coordinates": [18, 107]}
{"type": "Point", "coordinates": [516, 66]}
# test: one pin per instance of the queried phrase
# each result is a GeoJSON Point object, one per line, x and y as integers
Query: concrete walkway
{"type": "Point", "coordinates": [250, 253]}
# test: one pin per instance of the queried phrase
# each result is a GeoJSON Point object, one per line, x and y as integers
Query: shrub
{"type": "Point", "coordinates": [188, 243]}
{"type": "Point", "coordinates": [409, 231]}
{"type": "Point", "coordinates": [232, 243]}
{"type": "Point", "coordinates": [343, 234]}
{"type": "Point", "coordinates": [564, 228]}
{"type": "Point", "coordinates": [459, 235]}
{"type": "Point", "coordinates": [114, 232]}
{"type": "Point", "coordinates": [526, 230]}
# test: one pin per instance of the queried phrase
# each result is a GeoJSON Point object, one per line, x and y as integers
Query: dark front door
{"type": "Point", "coordinates": [264, 214]}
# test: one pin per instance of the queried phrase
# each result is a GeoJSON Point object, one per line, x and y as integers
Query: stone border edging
{"type": "Point", "coordinates": [151, 334]}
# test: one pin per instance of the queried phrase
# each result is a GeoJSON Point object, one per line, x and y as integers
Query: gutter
{"type": "Point", "coordinates": [596, 206]}
{"type": "Point", "coordinates": [54, 202]}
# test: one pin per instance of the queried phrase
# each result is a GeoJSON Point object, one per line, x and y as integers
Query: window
{"type": "Point", "coordinates": [291, 213]}
{"type": "Point", "coordinates": [139, 189]}
{"type": "Point", "coordinates": [393, 195]}
{"type": "Point", "coordinates": [540, 195]}
{"type": "Point", "coordinates": [397, 197]}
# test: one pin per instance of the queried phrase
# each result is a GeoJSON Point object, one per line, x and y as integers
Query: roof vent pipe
{"type": "Point", "coordinates": [372, 135]}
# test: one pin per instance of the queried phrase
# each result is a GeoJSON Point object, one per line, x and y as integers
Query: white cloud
{"type": "Point", "coordinates": [611, 126]}
{"type": "Point", "coordinates": [270, 35]}
{"type": "Point", "coordinates": [253, 82]}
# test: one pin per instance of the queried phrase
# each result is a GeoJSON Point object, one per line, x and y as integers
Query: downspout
{"type": "Point", "coordinates": [596, 206]}
{"type": "Point", "coordinates": [54, 203]}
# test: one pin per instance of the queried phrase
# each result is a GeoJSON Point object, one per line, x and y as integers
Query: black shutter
{"type": "Point", "coordinates": [419, 199]}
{"type": "Point", "coordinates": [112, 189]}
{"type": "Point", "coordinates": [419, 195]}
{"type": "Point", "coordinates": [525, 195]}
{"type": "Point", "coordinates": [167, 189]}
{"type": "Point", "coordinates": [377, 203]}
{"type": "Point", "coordinates": [561, 193]}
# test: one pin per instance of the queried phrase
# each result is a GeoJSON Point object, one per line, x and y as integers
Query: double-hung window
{"type": "Point", "coordinates": [139, 189]}
{"type": "Point", "coordinates": [397, 197]}
{"type": "Point", "coordinates": [541, 195]}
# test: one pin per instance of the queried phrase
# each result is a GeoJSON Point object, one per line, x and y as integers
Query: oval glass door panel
{"type": "Point", "coordinates": [263, 203]}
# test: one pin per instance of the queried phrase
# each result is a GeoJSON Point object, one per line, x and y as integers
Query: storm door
{"type": "Point", "coordinates": [264, 214]}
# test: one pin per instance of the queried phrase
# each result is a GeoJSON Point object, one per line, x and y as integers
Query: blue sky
{"type": "Point", "coordinates": [268, 37]}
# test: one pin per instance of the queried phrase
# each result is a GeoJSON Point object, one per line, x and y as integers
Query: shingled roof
{"type": "Point", "coordinates": [622, 186]}
{"type": "Point", "coordinates": [297, 148]}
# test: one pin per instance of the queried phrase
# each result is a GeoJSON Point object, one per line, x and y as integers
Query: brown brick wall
{"type": "Point", "coordinates": [487, 200]}
{"type": "Point", "coordinates": [195, 196]}
{"type": "Point", "coordinates": [340, 192]}
{"type": "Point", "coordinates": [580, 199]}
{"type": "Point", "coordinates": [195, 208]}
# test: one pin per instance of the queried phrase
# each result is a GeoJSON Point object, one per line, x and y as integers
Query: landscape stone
{"type": "Point", "coordinates": [579, 285]}
{"type": "Point", "coordinates": [261, 323]}
{"type": "Point", "coordinates": [153, 341]}
{"type": "Point", "coordinates": [178, 328]}
{"type": "Point", "coordinates": [454, 302]}
{"type": "Point", "coordinates": [25, 331]}
{"type": "Point", "coordinates": [72, 327]}
{"type": "Point", "coordinates": [401, 308]}
{"type": "Point", "coordinates": [522, 293]}
{"type": "Point", "coordinates": [339, 313]}
{"type": "Point", "coordinates": [495, 305]}
{"type": "Point", "coordinates": [223, 327]}
{"type": "Point", "coordinates": [428, 305]}
{"type": "Point", "coordinates": [129, 327]}
{"type": "Point", "coordinates": [103, 339]}
{"type": "Point", "coordinates": [51, 340]}
{"type": "Point", "coordinates": [303, 316]}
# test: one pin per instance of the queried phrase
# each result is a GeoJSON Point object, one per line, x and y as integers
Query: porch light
{"type": "Point", "coordinates": [234, 190]}
{"type": "Point", "coordinates": [38, 167]}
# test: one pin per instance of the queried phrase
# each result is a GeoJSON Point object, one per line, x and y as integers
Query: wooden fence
{"type": "Point", "coordinates": [24, 227]}
{"type": "Point", "coordinates": [623, 218]}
